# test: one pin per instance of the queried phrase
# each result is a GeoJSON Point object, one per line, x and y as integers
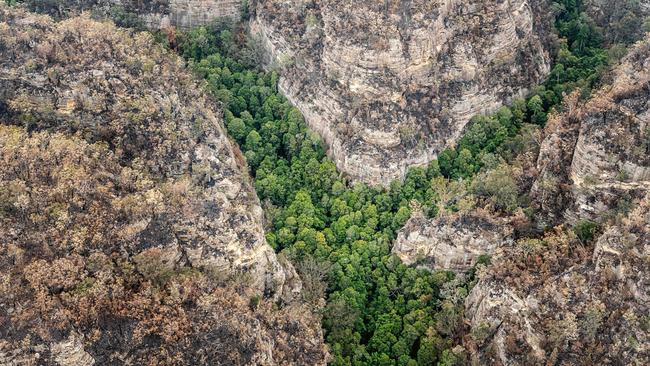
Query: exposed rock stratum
{"type": "Point", "coordinates": [557, 299]}
{"type": "Point", "coordinates": [155, 14]}
{"type": "Point", "coordinates": [130, 232]}
{"type": "Point", "coordinates": [390, 84]}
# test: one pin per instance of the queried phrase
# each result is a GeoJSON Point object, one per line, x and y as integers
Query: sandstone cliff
{"type": "Point", "coordinates": [451, 242]}
{"type": "Point", "coordinates": [594, 159]}
{"type": "Point", "coordinates": [105, 85]}
{"type": "Point", "coordinates": [389, 84]}
{"type": "Point", "coordinates": [130, 231]}
{"type": "Point", "coordinates": [557, 299]}
{"type": "Point", "coordinates": [154, 14]}
{"type": "Point", "coordinates": [552, 301]}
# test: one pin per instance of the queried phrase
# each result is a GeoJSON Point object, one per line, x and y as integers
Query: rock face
{"type": "Point", "coordinates": [130, 231]}
{"type": "Point", "coordinates": [389, 84]}
{"type": "Point", "coordinates": [546, 303]}
{"type": "Point", "coordinates": [150, 112]}
{"type": "Point", "coordinates": [557, 300]}
{"type": "Point", "coordinates": [551, 189]}
{"type": "Point", "coordinates": [450, 243]}
{"type": "Point", "coordinates": [71, 352]}
{"type": "Point", "coordinates": [596, 156]}
{"type": "Point", "coordinates": [156, 14]}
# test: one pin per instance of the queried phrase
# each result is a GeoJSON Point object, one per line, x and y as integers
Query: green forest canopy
{"type": "Point", "coordinates": [378, 311]}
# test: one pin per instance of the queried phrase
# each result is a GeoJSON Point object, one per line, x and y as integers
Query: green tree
{"type": "Point", "coordinates": [237, 129]}
{"type": "Point", "coordinates": [464, 164]}
{"type": "Point", "coordinates": [586, 230]}
{"type": "Point", "coordinates": [428, 353]}
{"type": "Point", "coordinates": [499, 186]}
{"type": "Point", "coordinates": [535, 108]}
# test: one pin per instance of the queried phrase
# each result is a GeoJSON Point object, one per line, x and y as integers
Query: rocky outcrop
{"type": "Point", "coordinates": [154, 14]}
{"type": "Point", "coordinates": [70, 352]}
{"type": "Point", "coordinates": [548, 303]}
{"type": "Point", "coordinates": [450, 242]}
{"type": "Point", "coordinates": [611, 160]}
{"type": "Point", "coordinates": [595, 156]}
{"type": "Point", "coordinates": [80, 284]}
{"type": "Point", "coordinates": [106, 85]}
{"type": "Point", "coordinates": [551, 190]}
{"type": "Point", "coordinates": [564, 300]}
{"type": "Point", "coordinates": [131, 234]}
{"type": "Point", "coordinates": [187, 14]}
{"type": "Point", "coordinates": [389, 84]}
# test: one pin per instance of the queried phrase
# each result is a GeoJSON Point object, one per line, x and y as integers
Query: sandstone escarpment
{"type": "Point", "coordinates": [611, 160]}
{"type": "Point", "coordinates": [594, 159]}
{"type": "Point", "coordinates": [550, 301]}
{"type": "Point", "coordinates": [130, 231]}
{"type": "Point", "coordinates": [105, 85]}
{"type": "Point", "coordinates": [561, 299]}
{"type": "Point", "coordinates": [450, 242]}
{"type": "Point", "coordinates": [89, 274]}
{"type": "Point", "coordinates": [390, 84]}
{"type": "Point", "coordinates": [154, 14]}
{"type": "Point", "coordinates": [551, 191]}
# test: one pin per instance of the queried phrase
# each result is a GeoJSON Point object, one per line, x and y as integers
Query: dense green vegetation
{"type": "Point", "coordinates": [378, 310]}
{"type": "Point", "coordinates": [578, 65]}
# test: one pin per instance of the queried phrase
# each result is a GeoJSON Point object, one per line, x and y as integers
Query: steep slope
{"type": "Point", "coordinates": [130, 231]}
{"type": "Point", "coordinates": [595, 158]}
{"type": "Point", "coordinates": [554, 301]}
{"type": "Point", "coordinates": [103, 85]}
{"type": "Point", "coordinates": [389, 84]}
{"type": "Point", "coordinates": [154, 14]}
{"type": "Point", "coordinates": [90, 274]}
{"type": "Point", "coordinates": [560, 300]}
{"type": "Point", "coordinates": [624, 20]}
